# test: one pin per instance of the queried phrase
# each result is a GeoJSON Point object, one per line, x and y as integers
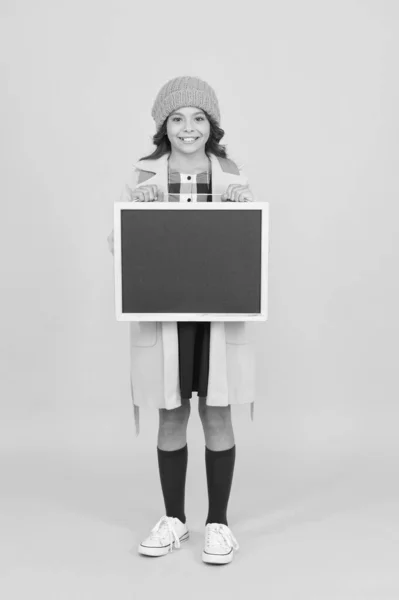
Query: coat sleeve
{"type": "Point", "coordinates": [244, 176]}
{"type": "Point", "coordinates": [125, 196]}
{"type": "Point", "coordinates": [130, 185]}
{"type": "Point", "coordinates": [242, 173]}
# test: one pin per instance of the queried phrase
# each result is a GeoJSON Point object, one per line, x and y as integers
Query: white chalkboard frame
{"type": "Point", "coordinates": [262, 316]}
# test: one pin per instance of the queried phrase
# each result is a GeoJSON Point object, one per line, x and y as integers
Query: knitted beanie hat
{"type": "Point", "coordinates": [184, 91]}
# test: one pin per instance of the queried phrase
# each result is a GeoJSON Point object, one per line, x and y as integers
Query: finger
{"type": "Point", "coordinates": [229, 192]}
{"type": "Point", "coordinates": [240, 192]}
{"type": "Point", "coordinates": [248, 195]}
{"type": "Point", "coordinates": [137, 195]}
{"type": "Point", "coordinates": [241, 195]}
{"type": "Point", "coordinates": [142, 193]}
{"type": "Point", "coordinates": [233, 187]}
{"type": "Point", "coordinates": [234, 193]}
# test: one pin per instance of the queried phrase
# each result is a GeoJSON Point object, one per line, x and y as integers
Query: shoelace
{"type": "Point", "coordinates": [165, 526]}
{"type": "Point", "coordinates": [217, 530]}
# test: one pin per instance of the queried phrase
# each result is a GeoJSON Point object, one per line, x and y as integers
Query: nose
{"type": "Point", "coordinates": [188, 127]}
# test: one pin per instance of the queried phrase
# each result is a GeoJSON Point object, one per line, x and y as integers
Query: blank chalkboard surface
{"type": "Point", "coordinates": [197, 262]}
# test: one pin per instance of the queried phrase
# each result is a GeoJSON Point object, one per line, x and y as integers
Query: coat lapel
{"type": "Point", "coordinates": [157, 170]}
{"type": "Point", "coordinates": [218, 395]}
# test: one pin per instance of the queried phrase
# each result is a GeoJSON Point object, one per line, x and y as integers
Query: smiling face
{"type": "Point", "coordinates": [188, 130]}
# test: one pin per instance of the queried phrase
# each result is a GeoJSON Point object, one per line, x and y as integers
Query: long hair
{"type": "Point", "coordinates": [212, 146]}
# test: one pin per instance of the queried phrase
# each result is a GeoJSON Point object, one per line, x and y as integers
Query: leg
{"type": "Point", "coordinates": [220, 452]}
{"type": "Point", "coordinates": [172, 432]}
{"type": "Point", "coordinates": [217, 425]}
{"type": "Point", "coordinates": [173, 457]}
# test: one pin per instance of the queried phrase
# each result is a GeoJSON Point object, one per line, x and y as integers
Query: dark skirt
{"type": "Point", "coordinates": [194, 339]}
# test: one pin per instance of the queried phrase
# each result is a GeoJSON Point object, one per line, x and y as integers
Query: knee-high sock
{"type": "Point", "coordinates": [172, 470]}
{"type": "Point", "coordinates": [219, 473]}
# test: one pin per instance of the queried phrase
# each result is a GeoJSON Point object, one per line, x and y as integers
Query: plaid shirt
{"type": "Point", "coordinates": [191, 187]}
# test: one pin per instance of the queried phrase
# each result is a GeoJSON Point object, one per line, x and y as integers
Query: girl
{"type": "Point", "coordinates": [171, 360]}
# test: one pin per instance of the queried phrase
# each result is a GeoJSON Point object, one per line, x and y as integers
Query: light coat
{"type": "Point", "coordinates": [154, 350]}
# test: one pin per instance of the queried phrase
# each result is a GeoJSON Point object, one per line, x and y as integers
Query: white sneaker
{"type": "Point", "coordinates": [220, 544]}
{"type": "Point", "coordinates": [167, 533]}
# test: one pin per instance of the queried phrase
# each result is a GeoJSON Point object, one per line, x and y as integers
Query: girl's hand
{"type": "Point", "coordinates": [147, 193]}
{"type": "Point", "coordinates": [238, 193]}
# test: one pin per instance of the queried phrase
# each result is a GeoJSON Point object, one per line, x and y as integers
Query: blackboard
{"type": "Point", "coordinates": [204, 261]}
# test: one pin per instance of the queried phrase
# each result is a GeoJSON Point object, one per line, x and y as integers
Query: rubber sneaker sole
{"type": "Point", "coordinates": [217, 559]}
{"type": "Point", "coordinates": [160, 550]}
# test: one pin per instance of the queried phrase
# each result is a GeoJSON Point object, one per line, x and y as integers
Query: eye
{"type": "Point", "coordinates": [179, 118]}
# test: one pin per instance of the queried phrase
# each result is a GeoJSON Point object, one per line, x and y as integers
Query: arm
{"type": "Point", "coordinates": [125, 196]}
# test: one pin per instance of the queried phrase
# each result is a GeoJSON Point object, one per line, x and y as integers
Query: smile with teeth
{"type": "Point", "coordinates": [188, 140]}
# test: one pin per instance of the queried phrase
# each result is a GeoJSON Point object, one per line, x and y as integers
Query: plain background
{"type": "Point", "coordinates": [308, 93]}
